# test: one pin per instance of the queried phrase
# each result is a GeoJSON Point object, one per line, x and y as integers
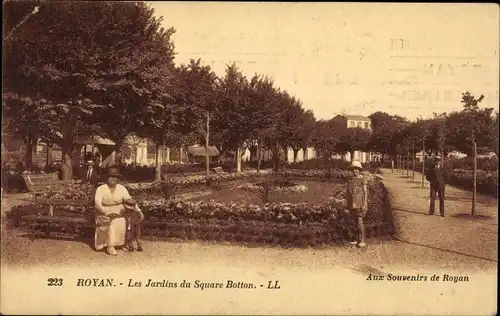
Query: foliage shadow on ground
{"type": "Point", "coordinates": [470, 217]}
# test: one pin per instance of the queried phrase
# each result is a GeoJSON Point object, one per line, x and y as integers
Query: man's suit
{"type": "Point", "coordinates": [437, 177]}
{"type": "Point", "coordinates": [91, 176]}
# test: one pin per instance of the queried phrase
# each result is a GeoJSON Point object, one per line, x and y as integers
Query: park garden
{"type": "Point", "coordinates": [80, 69]}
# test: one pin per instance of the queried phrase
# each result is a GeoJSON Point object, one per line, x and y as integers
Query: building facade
{"type": "Point", "coordinates": [357, 121]}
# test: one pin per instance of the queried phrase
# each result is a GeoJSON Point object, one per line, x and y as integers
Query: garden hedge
{"type": "Point", "coordinates": [285, 224]}
{"type": "Point", "coordinates": [486, 182]}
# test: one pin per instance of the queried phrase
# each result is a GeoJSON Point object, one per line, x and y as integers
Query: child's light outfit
{"type": "Point", "coordinates": [355, 195]}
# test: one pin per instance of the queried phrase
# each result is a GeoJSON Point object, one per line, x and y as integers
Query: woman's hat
{"type": "Point", "coordinates": [129, 204]}
{"type": "Point", "coordinates": [113, 172]}
{"type": "Point", "coordinates": [356, 164]}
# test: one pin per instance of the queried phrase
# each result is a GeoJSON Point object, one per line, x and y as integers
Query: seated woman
{"type": "Point", "coordinates": [110, 224]}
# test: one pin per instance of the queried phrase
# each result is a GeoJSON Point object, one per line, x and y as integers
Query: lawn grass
{"type": "Point", "coordinates": [316, 192]}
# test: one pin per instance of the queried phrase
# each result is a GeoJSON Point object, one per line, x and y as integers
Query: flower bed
{"type": "Point", "coordinates": [276, 223]}
{"type": "Point", "coordinates": [180, 184]}
{"type": "Point", "coordinates": [292, 189]}
{"type": "Point", "coordinates": [198, 182]}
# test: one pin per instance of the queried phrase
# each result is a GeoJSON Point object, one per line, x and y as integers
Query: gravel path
{"type": "Point", "coordinates": [456, 232]}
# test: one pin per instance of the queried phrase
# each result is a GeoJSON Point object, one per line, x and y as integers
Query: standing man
{"type": "Point", "coordinates": [91, 175]}
{"type": "Point", "coordinates": [437, 177]}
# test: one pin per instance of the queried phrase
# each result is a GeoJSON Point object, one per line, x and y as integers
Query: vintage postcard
{"type": "Point", "coordinates": [230, 158]}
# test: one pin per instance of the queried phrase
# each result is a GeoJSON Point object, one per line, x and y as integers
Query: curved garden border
{"type": "Point", "coordinates": [285, 224]}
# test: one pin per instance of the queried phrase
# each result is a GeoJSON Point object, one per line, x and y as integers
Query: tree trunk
{"type": "Point", "coordinates": [259, 158]}
{"type": "Point", "coordinates": [413, 161]}
{"type": "Point", "coordinates": [295, 154]}
{"type": "Point", "coordinates": [238, 160]}
{"type": "Point", "coordinates": [48, 155]}
{"type": "Point", "coordinates": [157, 163]}
{"type": "Point", "coordinates": [306, 154]}
{"type": "Point", "coordinates": [276, 157]}
{"type": "Point", "coordinates": [207, 157]}
{"type": "Point", "coordinates": [351, 152]}
{"type": "Point", "coordinates": [474, 179]}
{"type": "Point", "coordinates": [181, 154]}
{"type": "Point", "coordinates": [252, 150]}
{"type": "Point", "coordinates": [167, 154]}
{"type": "Point", "coordinates": [118, 153]}
{"type": "Point", "coordinates": [408, 165]}
{"type": "Point", "coordinates": [135, 148]}
{"type": "Point", "coordinates": [423, 164]}
{"type": "Point", "coordinates": [30, 155]}
{"type": "Point", "coordinates": [67, 144]}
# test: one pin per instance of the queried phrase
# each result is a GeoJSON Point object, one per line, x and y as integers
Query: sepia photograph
{"type": "Point", "coordinates": [249, 158]}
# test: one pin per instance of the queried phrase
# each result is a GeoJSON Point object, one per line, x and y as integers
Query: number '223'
{"type": "Point", "coordinates": [54, 282]}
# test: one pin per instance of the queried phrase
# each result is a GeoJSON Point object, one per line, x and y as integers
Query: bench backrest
{"type": "Point", "coordinates": [43, 182]}
{"type": "Point", "coordinates": [218, 170]}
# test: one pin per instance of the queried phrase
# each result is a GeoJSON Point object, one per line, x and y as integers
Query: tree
{"type": "Point", "coordinates": [325, 137]}
{"type": "Point", "coordinates": [31, 128]}
{"type": "Point", "coordinates": [479, 131]}
{"type": "Point", "coordinates": [352, 139]}
{"type": "Point", "coordinates": [234, 117]}
{"type": "Point", "coordinates": [139, 80]}
{"type": "Point", "coordinates": [282, 134]}
{"type": "Point", "coordinates": [69, 52]}
{"type": "Point", "coordinates": [470, 124]}
{"type": "Point", "coordinates": [196, 95]}
{"type": "Point", "coordinates": [263, 95]}
{"type": "Point", "coordinates": [302, 124]}
{"type": "Point", "coordinates": [495, 132]}
{"type": "Point", "coordinates": [385, 129]}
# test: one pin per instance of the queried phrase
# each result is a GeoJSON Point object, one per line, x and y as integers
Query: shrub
{"type": "Point", "coordinates": [335, 164]}
{"type": "Point", "coordinates": [467, 163]}
{"type": "Point", "coordinates": [486, 182]}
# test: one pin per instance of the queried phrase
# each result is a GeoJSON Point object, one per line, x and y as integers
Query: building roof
{"type": "Point", "coordinates": [199, 151]}
{"type": "Point", "coordinates": [98, 140]}
{"type": "Point", "coordinates": [356, 117]}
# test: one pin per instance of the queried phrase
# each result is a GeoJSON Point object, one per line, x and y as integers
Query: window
{"type": "Point", "coordinates": [366, 125]}
{"type": "Point", "coordinates": [352, 124]}
{"type": "Point", "coordinates": [360, 124]}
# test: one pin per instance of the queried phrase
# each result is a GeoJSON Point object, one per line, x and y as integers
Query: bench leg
{"type": "Point", "coordinates": [32, 232]}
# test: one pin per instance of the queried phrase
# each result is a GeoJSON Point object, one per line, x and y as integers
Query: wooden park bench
{"type": "Point", "coordinates": [218, 170]}
{"type": "Point", "coordinates": [41, 183]}
{"type": "Point", "coordinates": [45, 224]}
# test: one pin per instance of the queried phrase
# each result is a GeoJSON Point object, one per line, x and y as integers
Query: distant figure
{"type": "Point", "coordinates": [357, 200]}
{"type": "Point", "coordinates": [91, 175]}
{"type": "Point", "coordinates": [437, 176]}
{"type": "Point", "coordinates": [98, 159]}
{"type": "Point", "coordinates": [88, 156]}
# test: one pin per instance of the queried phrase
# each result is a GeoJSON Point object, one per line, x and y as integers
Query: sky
{"type": "Point", "coordinates": [354, 58]}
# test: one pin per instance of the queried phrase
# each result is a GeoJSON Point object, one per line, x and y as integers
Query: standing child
{"type": "Point", "coordinates": [357, 200]}
{"type": "Point", "coordinates": [133, 217]}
